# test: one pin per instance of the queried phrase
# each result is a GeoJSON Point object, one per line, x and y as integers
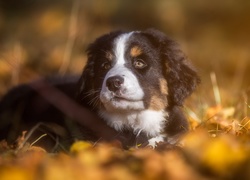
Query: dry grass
{"type": "Point", "coordinates": [50, 40]}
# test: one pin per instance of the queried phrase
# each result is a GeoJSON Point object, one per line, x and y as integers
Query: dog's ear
{"type": "Point", "coordinates": [89, 80]}
{"type": "Point", "coordinates": [86, 81]}
{"type": "Point", "coordinates": [181, 76]}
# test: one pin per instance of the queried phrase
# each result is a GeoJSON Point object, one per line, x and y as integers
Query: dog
{"type": "Point", "coordinates": [134, 82]}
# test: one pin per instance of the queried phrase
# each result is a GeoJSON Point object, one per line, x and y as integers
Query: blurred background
{"type": "Point", "coordinates": [47, 37]}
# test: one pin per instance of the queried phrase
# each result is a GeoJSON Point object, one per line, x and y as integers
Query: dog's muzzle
{"type": "Point", "coordinates": [121, 90]}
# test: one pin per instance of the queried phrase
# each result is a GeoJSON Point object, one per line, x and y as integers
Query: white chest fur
{"type": "Point", "coordinates": [148, 121]}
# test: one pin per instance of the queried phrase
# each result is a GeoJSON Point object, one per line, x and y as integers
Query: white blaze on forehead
{"type": "Point", "coordinates": [120, 47]}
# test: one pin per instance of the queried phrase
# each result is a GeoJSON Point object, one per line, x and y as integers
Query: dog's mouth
{"type": "Point", "coordinates": [121, 102]}
{"type": "Point", "coordinates": [122, 98]}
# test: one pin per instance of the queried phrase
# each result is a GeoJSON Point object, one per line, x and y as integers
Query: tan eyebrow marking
{"type": "Point", "coordinates": [109, 55]}
{"type": "Point", "coordinates": [135, 51]}
{"type": "Point", "coordinates": [163, 86]}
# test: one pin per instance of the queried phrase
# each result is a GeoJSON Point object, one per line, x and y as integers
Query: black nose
{"type": "Point", "coordinates": [114, 83]}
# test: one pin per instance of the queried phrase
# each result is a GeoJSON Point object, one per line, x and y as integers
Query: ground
{"type": "Point", "coordinates": [41, 38]}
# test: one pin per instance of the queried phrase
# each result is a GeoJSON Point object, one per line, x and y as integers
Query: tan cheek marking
{"type": "Point", "coordinates": [135, 51]}
{"type": "Point", "coordinates": [163, 86]}
{"type": "Point", "coordinates": [157, 103]}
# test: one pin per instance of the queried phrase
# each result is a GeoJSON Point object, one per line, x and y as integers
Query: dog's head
{"type": "Point", "coordinates": [136, 71]}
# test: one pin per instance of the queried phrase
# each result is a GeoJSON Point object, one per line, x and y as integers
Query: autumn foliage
{"type": "Point", "coordinates": [49, 37]}
{"type": "Point", "coordinates": [221, 153]}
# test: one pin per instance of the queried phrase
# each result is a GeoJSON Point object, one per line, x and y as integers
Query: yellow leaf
{"type": "Point", "coordinates": [80, 146]}
{"type": "Point", "coordinates": [223, 155]}
{"type": "Point", "coordinates": [15, 173]}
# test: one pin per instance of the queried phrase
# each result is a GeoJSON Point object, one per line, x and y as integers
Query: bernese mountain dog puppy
{"type": "Point", "coordinates": [134, 85]}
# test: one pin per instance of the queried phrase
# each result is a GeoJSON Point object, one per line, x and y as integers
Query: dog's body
{"type": "Point", "coordinates": [136, 82]}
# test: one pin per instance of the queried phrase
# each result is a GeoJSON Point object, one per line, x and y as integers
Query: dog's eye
{"type": "Point", "coordinates": [139, 64]}
{"type": "Point", "coordinates": [106, 65]}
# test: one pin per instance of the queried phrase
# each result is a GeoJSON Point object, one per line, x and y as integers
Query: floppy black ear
{"type": "Point", "coordinates": [181, 76]}
{"type": "Point", "coordinates": [85, 82]}
{"type": "Point", "coordinates": [89, 80]}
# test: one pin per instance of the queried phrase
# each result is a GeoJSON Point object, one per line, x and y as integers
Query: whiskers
{"type": "Point", "coordinates": [93, 97]}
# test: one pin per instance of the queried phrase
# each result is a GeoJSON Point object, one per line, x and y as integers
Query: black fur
{"type": "Point", "coordinates": [89, 80]}
{"type": "Point", "coordinates": [181, 76]}
{"type": "Point", "coordinates": [23, 107]}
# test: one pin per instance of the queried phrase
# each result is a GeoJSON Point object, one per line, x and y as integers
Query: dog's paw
{"type": "Point", "coordinates": [155, 140]}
